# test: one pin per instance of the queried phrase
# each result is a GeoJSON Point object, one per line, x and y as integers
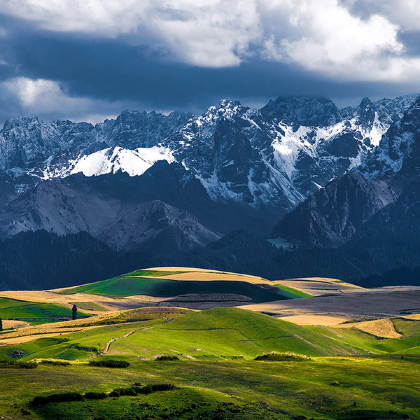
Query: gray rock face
{"type": "Point", "coordinates": [396, 224]}
{"type": "Point", "coordinates": [72, 205]}
{"type": "Point", "coordinates": [297, 111]}
{"type": "Point", "coordinates": [399, 149]}
{"type": "Point", "coordinates": [330, 217]}
{"type": "Point", "coordinates": [134, 129]}
{"type": "Point", "coordinates": [243, 167]}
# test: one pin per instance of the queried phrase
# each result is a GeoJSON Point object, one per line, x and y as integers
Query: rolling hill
{"type": "Point", "coordinates": [190, 364]}
{"type": "Point", "coordinates": [192, 288]}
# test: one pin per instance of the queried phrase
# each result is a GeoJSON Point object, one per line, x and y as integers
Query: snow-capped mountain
{"type": "Point", "coordinates": [111, 160]}
{"type": "Point", "coordinates": [399, 149]}
{"type": "Point", "coordinates": [31, 145]}
{"type": "Point", "coordinates": [378, 201]}
{"type": "Point", "coordinates": [246, 166]}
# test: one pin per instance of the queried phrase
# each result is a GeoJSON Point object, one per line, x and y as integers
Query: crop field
{"type": "Point", "coordinates": [318, 286]}
{"type": "Point", "coordinates": [170, 283]}
{"type": "Point", "coordinates": [366, 304]}
{"type": "Point", "coordinates": [90, 306]}
{"type": "Point", "coordinates": [384, 328]}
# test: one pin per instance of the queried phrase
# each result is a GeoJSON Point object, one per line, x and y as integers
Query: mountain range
{"type": "Point", "coordinates": [299, 170]}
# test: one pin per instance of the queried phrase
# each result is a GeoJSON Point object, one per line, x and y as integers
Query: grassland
{"type": "Point", "coordinates": [292, 293]}
{"type": "Point", "coordinates": [351, 374]}
{"type": "Point", "coordinates": [33, 313]}
{"type": "Point", "coordinates": [359, 370]}
{"type": "Point", "coordinates": [215, 334]}
{"type": "Point", "coordinates": [323, 388]}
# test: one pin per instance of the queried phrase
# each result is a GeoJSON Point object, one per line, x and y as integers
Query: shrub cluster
{"type": "Point", "coordinates": [54, 363]}
{"type": "Point", "coordinates": [88, 349]}
{"type": "Point", "coordinates": [17, 354]}
{"type": "Point", "coordinates": [66, 397]}
{"type": "Point", "coordinates": [165, 358]}
{"type": "Point", "coordinates": [283, 357]}
{"type": "Point", "coordinates": [96, 395]}
{"type": "Point", "coordinates": [109, 363]}
{"type": "Point", "coordinates": [13, 363]}
{"type": "Point", "coordinates": [134, 390]}
{"type": "Point", "coordinates": [59, 340]}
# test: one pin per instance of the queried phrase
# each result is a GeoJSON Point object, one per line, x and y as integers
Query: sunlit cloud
{"type": "Point", "coordinates": [320, 35]}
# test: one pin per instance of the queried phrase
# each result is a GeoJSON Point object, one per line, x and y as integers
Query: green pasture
{"type": "Point", "coordinates": [215, 334]}
{"type": "Point", "coordinates": [291, 293]}
{"type": "Point", "coordinates": [324, 388]}
{"type": "Point", "coordinates": [34, 313]}
{"type": "Point", "coordinates": [216, 376]}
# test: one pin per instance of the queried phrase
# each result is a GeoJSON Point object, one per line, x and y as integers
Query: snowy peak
{"type": "Point", "coordinates": [27, 142]}
{"type": "Point", "coordinates": [269, 158]}
{"type": "Point", "coordinates": [112, 160]}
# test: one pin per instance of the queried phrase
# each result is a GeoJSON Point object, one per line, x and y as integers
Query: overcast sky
{"type": "Point", "coordinates": [90, 59]}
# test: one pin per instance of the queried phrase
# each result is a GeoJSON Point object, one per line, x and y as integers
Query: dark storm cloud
{"type": "Point", "coordinates": [111, 70]}
{"type": "Point", "coordinates": [109, 74]}
{"type": "Point", "coordinates": [411, 41]}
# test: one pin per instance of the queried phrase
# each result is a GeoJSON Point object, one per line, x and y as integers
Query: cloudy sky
{"type": "Point", "coordinates": [90, 59]}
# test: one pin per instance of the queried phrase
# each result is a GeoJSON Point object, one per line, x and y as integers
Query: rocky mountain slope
{"type": "Point", "coordinates": [189, 179]}
{"type": "Point", "coordinates": [332, 215]}
{"type": "Point", "coordinates": [381, 201]}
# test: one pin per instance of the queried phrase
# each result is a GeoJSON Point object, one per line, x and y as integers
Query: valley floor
{"type": "Point", "coordinates": [323, 388]}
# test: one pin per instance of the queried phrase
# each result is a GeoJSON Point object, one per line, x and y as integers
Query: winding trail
{"type": "Point", "coordinates": [108, 344]}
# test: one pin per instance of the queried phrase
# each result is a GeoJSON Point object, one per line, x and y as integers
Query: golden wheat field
{"type": "Point", "coordinates": [383, 328]}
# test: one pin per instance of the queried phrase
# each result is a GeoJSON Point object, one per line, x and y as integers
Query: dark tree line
{"type": "Point", "coordinates": [42, 260]}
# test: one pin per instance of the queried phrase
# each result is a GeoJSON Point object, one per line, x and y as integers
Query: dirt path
{"type": "Point", "coordinates": [108, 344]}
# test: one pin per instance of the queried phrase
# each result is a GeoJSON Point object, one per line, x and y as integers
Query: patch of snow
{"type": "Point", "coordinates": [317, 185]}
{"type": "Point", "coordinates": [134, 162]}
{"type": "Point", "coordinates": [377, 131]}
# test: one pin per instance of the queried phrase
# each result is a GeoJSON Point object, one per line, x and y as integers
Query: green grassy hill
{"type": "Point", "coordinates": [155, 284]}
{"type": "Point", "coordinates": [216, 375]}
{"type": "Point", "coordinates": [214, 334]}
{"type": "Point", "coordinates": [230, 332]}
{"type": "Point", "coordinates": [33, 312]}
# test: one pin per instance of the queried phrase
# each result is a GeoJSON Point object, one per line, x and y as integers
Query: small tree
{"type": "Point", "coordinates": [1, 325]}
{"type": "Point", "coordinates": [74, 312]}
